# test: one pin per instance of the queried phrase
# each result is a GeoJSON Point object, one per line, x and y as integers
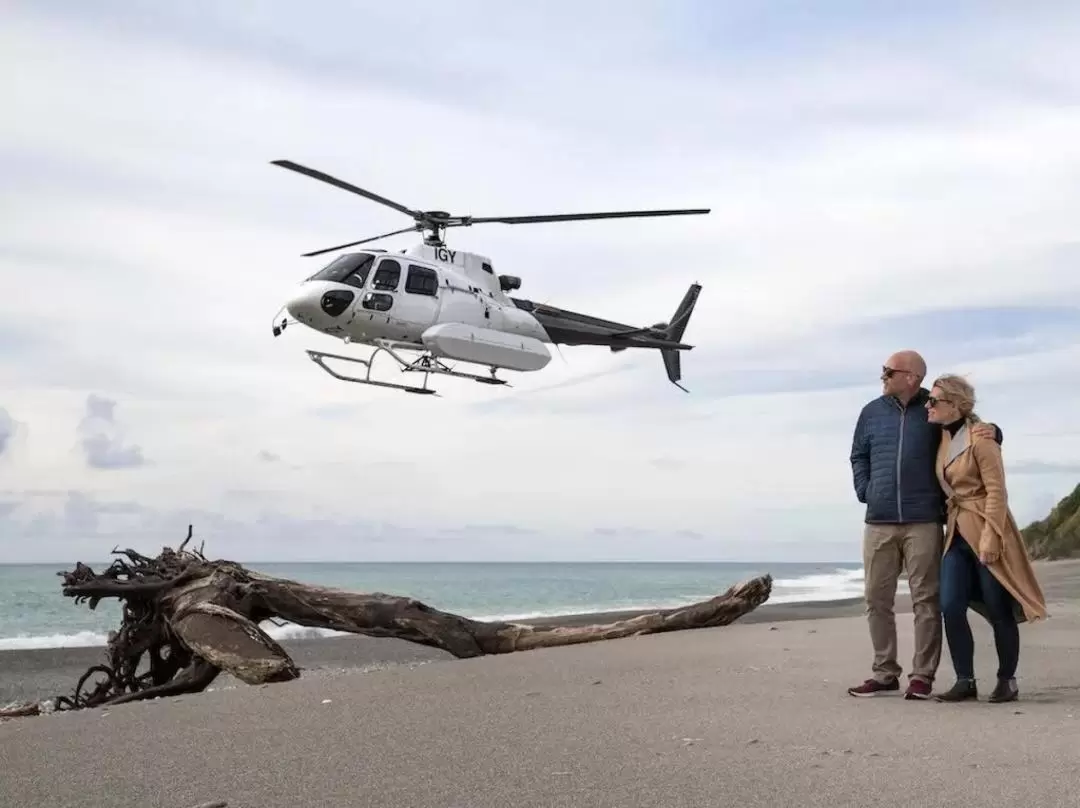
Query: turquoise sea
{"type": "Point", "coordinates": [34, 614]}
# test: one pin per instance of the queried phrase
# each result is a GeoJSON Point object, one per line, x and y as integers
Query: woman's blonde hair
{"type": "Point", "coordinates": [959, 391]}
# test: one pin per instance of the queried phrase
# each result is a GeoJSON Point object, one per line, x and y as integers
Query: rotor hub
{"type": "Point", "coordinates": [434, 223]}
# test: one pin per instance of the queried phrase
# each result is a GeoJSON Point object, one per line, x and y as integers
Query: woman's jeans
{"type": "Point", "coordinates": [963, 578]}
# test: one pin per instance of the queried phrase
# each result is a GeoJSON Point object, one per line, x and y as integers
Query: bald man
{"type": "Point", "coordinates": [893, 456]}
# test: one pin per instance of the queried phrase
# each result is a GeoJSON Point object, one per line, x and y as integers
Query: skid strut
{"type": "Point", "coordinates": [426, 364]}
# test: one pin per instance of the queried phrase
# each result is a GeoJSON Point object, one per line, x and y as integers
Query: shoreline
{"type": "Point", "coordinates": [34, 674]}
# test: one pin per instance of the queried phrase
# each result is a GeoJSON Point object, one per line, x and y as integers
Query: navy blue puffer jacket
{"type": "Point", "coordinates": [893, 454]}
{"type": "Point", "coordinates": [892, 460]}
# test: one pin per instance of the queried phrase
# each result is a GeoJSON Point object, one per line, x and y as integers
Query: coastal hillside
{"type": "Point", "coordinates": [1058, 535]}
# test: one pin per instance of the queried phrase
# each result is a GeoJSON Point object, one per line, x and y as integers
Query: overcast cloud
{"type": "Point", "coordinates": [877, 182]}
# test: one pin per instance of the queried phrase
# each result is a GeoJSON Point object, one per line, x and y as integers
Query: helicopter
{"type": "Point", "coordinates": [449, 305]}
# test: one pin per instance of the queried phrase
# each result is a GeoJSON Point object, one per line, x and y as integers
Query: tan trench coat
{"type": "Point", "coordinates": [972, 474]}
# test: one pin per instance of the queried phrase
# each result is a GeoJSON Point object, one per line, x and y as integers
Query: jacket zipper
{"type": "Point", "coordinates": [899, 457]}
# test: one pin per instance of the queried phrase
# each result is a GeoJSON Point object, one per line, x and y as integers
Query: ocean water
{"type": "Point", "coordinates": [34, 613]}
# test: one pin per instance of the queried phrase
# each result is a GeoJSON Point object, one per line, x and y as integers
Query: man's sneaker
{"type": "Point", "coordinates": [872, 687]}
{"type": "Point", "coordinates": [917, 689]}
{"type": "Point", "coordinates": [963, 690]}
{"type": "Point", "coordinates": [1006, 690]}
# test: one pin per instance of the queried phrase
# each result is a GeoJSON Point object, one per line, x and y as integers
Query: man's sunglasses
{"type": "Point", "coordinates": [888, 372]}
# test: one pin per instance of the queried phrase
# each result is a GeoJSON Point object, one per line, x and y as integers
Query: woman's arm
{"type": "Point", "coordinates": [992, 470]}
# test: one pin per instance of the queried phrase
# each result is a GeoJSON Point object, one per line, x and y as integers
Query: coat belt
{"type": "Point", "coordinates": [963, 503]}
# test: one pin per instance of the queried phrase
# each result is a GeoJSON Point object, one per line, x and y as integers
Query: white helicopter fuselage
{"type": "Point", "coordinates": [428, 298]}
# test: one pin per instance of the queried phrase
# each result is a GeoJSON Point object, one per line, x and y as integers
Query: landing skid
{"type": "Point", "coordinates": [425, 363]}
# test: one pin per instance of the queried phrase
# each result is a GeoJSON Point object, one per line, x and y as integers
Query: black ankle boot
{"type": "Point", "coordinates": [1006, 690]}
{"type": "Point", "coordinates": [963, 690]}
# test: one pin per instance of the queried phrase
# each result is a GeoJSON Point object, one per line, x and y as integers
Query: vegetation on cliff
{"type": "Point", "coordinates": [1058, 535]}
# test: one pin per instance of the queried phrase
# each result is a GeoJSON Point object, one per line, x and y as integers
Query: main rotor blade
{"type": "Point", "coordinates": [567, 217]}
{"type": "Point", "coordinates": [319, 175]}
{"type": "Point", "coordinates": [362, 241]}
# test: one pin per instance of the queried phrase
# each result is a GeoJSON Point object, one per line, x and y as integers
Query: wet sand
{"type": "Point", "coordinates": [753, 714]}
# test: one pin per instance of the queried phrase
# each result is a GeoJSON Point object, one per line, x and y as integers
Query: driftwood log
{"type": "Point", "coordinates": [190, 618]}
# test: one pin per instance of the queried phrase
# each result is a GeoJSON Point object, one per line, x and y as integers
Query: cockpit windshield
{"type": "Point", "coordinates": [351, 269]}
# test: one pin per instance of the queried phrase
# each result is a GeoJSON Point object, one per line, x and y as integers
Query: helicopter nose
{"type": "Point", "coordinates": [313, 304]}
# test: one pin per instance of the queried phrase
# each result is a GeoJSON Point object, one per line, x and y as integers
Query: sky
{"type": "Point", "coordinates": [879, 180]}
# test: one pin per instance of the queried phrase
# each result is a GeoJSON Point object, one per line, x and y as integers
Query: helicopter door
{"type": "Point", "coordinates": [384, 282]}
{"type": "Point", "coordinates": [417, 305]}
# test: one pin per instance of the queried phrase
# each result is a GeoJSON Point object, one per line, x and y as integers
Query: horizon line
{"type": "Point", "coordinates": [40, 563]}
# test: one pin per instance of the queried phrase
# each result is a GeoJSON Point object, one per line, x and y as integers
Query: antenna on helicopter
{"type": "Point", "coordinates": [433, 223]}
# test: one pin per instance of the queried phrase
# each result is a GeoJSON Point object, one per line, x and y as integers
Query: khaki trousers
{"type": "Point", "coordinates": [915, 549]}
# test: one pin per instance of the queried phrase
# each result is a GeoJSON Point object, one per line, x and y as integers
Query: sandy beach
{"type": "Point", "coordinates": [753, 714]}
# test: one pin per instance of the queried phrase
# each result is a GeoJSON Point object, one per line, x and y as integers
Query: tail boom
{"type": "Point", "coordinates": [564, 327]}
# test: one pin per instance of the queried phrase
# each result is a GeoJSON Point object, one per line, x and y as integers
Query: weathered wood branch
{"type": "Point", "coordinates": [380, 615]}
{"type": "Point", "coordinates": [190, 619]}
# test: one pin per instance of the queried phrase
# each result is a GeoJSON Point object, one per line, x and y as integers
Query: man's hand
{"type": "Point", "coordinates": [981, 430]}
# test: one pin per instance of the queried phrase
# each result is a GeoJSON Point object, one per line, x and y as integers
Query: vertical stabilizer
{"type": "Point", "coordinates": [674, 331]}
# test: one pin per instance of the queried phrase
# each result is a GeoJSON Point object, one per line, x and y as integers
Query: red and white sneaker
{"type": "Point", "coordinates": [917, 689]}
{"type": "Point", "coordinates": [872, 687]}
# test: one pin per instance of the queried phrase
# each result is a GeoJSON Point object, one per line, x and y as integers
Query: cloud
{"type": "Point", "coordinates": [1071, 470]}
{"type": "Point", "coordinates": [101, 440]}
{"type": "Point", "coordinates": [63, 527]}
{"type": "Point", "coordinates": [13, 439]}
{"type": "Point", "coordinates": [7, 430]}
{"type": "Point", "coordinates": [825, 357]}
{"type": "Point", "coordinates": [878, 180]}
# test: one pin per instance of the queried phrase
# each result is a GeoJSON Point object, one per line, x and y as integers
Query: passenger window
{"type": "Point", "coordinates": [377, 301]}
{"type": "Point", "coordinates": [387, 275]}
{"type": "Point", "coordinates": [422, 281]}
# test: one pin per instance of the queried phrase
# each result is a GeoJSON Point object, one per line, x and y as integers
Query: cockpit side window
{"type": "Point", "coordinates": [387, 276]}
{"type": "Point", "coordinates": [351, 269]}
{"type": "Point", "coordinates": [336, 270]}
{"type": "Point", "coordinates": [358, 277]}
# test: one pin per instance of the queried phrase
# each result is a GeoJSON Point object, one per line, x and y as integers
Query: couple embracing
{"type": "Point", "coordinates": [931, 476]}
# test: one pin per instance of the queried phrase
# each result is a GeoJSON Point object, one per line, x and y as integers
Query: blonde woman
{"type": "Point", "coordinates": [985, 565]}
